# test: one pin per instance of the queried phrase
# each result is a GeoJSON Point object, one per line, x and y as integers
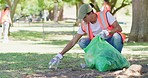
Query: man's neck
{"type": "Point", "coordinates": [94, 18]}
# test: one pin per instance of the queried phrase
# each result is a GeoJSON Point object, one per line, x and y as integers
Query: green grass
{"type": "Point", "coordinates": [26, 35]}
{"type": "Point", "coordinates": [17, 64]}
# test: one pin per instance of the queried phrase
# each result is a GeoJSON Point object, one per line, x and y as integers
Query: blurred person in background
{"type": "Point", "coordinates": [106, 6]}
{"type": "Point", "coordinates": [5, 20]}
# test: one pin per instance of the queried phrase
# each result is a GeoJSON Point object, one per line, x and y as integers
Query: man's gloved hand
{"type": "Point", "coordinates": [55, 61]}
{"type": "Point", "coordinates": [104, 34]}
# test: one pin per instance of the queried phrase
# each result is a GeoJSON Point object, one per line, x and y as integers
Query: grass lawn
{"type": "Point", "coordinates": [15, 65]}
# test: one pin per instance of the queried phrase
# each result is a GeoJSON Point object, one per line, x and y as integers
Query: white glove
{"type": "Point", "coordinates": [55, 61]}
{"type": "Point", "coordinates": [104, 34]}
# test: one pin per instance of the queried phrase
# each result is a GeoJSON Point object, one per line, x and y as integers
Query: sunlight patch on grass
{"type": "Point", "coordinates": [136, 44]}
{"type": "Point", "coordinates": [143, 46]}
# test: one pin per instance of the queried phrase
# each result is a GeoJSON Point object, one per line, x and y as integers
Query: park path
{"type": "Point", "coordinates": [31, 46]}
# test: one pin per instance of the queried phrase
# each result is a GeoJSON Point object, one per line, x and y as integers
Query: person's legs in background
{"type": "Point", "coordinates": [6, 27]}
{"type": "Point", "coordinates": [1, 30]}
{"type": "Point", "coordinates": [116, 41]}
{"type": "Point", "coordinates": [83, 43]}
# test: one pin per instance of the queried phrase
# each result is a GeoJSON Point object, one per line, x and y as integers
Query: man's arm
{"type": "Point", "coordinates": [117, 28]}
{"type": "Point", "coordinates": [71, 43]}
{"type": "Point", "coordinates": [56, 59]}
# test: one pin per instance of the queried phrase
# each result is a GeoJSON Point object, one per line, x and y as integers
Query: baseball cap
{"type": "Point", "coordinates": [83, 10]}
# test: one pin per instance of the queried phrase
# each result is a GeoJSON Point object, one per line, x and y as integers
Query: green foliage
{"type": "Point", "coordinates": [72, 2]}
{"type": "Point", "coordinates": [2, 4]}
{"type": "Point", "coordinates": [41, 4]}
{"type": "Point", "coordinates": [31, 8]}
{"type": "Point", "coordinates": [49, 4]}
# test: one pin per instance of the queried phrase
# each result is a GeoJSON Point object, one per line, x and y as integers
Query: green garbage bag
{"type": "Point", "coordinates": [101, 55]}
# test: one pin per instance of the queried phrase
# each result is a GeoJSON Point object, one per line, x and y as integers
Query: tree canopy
{"type": "Point", "coordinates": [24, 7]}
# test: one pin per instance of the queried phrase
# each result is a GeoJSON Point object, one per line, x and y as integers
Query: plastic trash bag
{"type": "Point", "coordinates": [101, 55]}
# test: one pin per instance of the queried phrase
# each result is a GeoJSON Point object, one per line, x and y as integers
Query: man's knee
{"type": "Point", "coordinates": [84, 42]}
{"type": "Point", "coordinates": [116, 36]}
{"type": "Point", "coordinates": [117, 42]}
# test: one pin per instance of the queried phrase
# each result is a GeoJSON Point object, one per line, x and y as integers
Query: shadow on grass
{"type": "Point", "coordinates": [139, 59]}
{"type": "Point", "coordinates": [17, 64]}
{"type": "Point", "coordinates": [36, 65]}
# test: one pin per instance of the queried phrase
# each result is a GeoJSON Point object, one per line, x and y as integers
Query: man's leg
{"type": "Point", "coordinates": [83, 43]}
{"type": "Point", "coordinates": [116, 41]}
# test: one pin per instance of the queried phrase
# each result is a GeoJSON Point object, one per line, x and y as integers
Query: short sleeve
{"type": "Point", "coordinates": [111, 18]}
{"type": "Point", "coordinates": [80, 31]}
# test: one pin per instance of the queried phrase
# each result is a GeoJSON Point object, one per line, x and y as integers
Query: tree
{"type": "Point", "coordinates": [77, 3]}
{"type": "Point", "coordinates": [12, 5]}
{"type": "Point", "coordinates": [1, 4]}
{"type": "Point", "coordinates": [55, 11]}
{"type": "Point", "coordinates": [116, 5]}
{"type": "Point", "coordinates": [139, 30]}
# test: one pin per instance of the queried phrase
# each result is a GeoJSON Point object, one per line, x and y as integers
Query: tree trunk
{"type": "Point", "coordinates": [60, 18]}
{"type": "Point", "coordinates": [77, 21]}
{"type": "Point", "coordinates": [55, 12]}
{"type": "Point", "coordinates": [51, 15]}
{"type": "Point", "coordinates": [139, 28]}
